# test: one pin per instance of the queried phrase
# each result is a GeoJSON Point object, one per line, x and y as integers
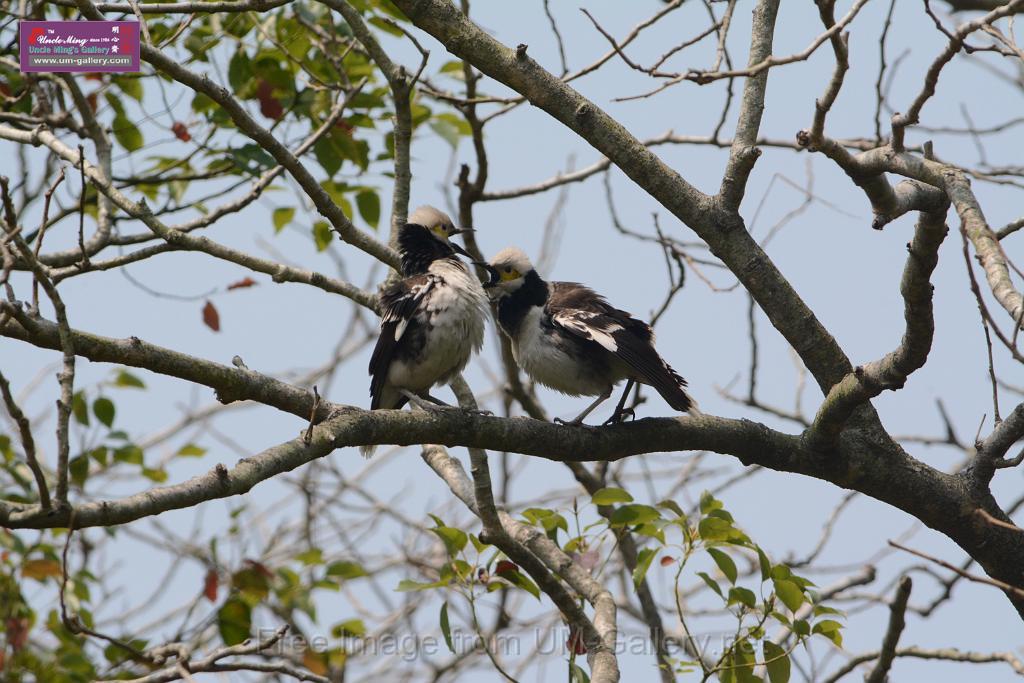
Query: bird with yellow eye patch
{"type": "Point", "coordinates": [568, 337]}
{"type": "Point", "coordinates": [432, 319]}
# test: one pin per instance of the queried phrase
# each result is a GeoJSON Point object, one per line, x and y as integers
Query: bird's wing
{"type": "Point", "coordinates": [399, 304]}
{"type": "Point", "coordinates": [584, 313]}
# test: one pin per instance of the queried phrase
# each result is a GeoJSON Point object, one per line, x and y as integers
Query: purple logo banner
{"type": "Point", "coordinates": [79, 46]}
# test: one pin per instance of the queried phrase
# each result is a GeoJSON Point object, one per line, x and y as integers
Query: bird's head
{"type": "Point", "coordinates": [508, 270]}
{"type": "Point", "coordinates": [439, 225]}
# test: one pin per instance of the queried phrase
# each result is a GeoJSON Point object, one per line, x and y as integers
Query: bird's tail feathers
{"type": "Point", "coordinates": [672, 388]}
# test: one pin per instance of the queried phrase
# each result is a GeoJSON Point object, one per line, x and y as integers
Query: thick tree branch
{"type": "Point", "coordinates": [891, 371]}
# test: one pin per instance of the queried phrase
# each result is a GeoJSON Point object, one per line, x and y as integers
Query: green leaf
{"type": "Point", "coordinates": [190, 450]}
{"type": "Point", "coordinates": [322, 235]}
{"type": "Point", "coordinates": [766, 564]}
{"type": "Point", "coordinates": [715, 529]}
{"type": "Point", "coordinates": [368, 203]}
{"type": "Point", "coordinates": [577, 674]}
{"type": "Point", "coordinates": [127, 134]}
{"type": "Point", "coordinates": [157, 475]}
{"type": "Point", "coordinates": [99, 454]}
{"type": "Point", "coordinates": [127, 379]}
{"type": "Point", "coordinates": [516, 578]}
{"type": "Point", "coordinates": [327, 156]}
{"type": "Point", "coordinates": [407, 585]}
{"type": "Point", "coordinates": [253, 581]}
{"type": "Point", "coordinates": [643, 563]}
{"type": "Point", "coordinates": [673, 506]}
{"type": "Point", "coordinates": [103, 409]}
{"type": "Point", "coordinates": [251, 159]}
{"type": "Point", "coordinates": [628, 515]}
{"type": "Point", "coordinates": [709, 503]}
{"type": "Point", "coordinates": [346, 570]}
{"type": "Point", "coordinates": [738, 595]}
{"type": "Point", "coordinates": [79, 408]}
{"type": "Point", "coordinates": [130, 86]}
{"type": "Point", "coordinates": [454, 539]}
{"type": "Point", "coordinates": [725, 563]}
{"type": "Point", "coordinates": [608, 496]}
{"type": "Point", "coordinates": [652, 530]}
{"type": "Point", "coordinates": [311, 556]}
{"type": "Point", "coordinates": [239, 71]}
{"type": "Point", "coordinates": [351, 628]}
{"type": "Point", "coordinates": [282, 216]}
{"type": "Point", "coordinates": [130, 454]}
{"type": "Point", "coordinates": [831, 629]}
{"type": "Point", "coordinates": [819, 610]}
{"type": "Point", "coordinates": [451, 67]}
{"type": "Point", "coordinates": [79, 469]}
{"type": "Point", "coordinates": [790, 593]}
{"type": "Point", "coordinates": [446, 629]}
{"type": "Point", "coordinates": [777, 662]}
{"type": "Point", "coordinates": [448, 131]}
{"type": "Point", "coordinates": [711, 583]}
{"type": "Point", "coordinates": [234, 619]}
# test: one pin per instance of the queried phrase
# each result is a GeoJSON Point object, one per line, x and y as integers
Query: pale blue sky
{"type": "Point", "coordinates": [846, 272]}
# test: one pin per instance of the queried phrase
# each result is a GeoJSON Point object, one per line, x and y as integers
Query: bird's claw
{"type": "Point", "coordinates": [620, 416]}
{"type": "Point", "coordinates": [567, 423]}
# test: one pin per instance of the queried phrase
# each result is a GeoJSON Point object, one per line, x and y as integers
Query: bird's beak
{"type": "Point", "coordinates": [492, 272]}
{"type": "Point", "coordinates": [459, 250]}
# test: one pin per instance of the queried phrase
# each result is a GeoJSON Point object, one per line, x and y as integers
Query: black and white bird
{"type": "Point", "coordinates": [432, 319]}
{"type": "Point", "coordinates": [568, 337]}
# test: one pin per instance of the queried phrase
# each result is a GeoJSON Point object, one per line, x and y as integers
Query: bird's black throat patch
{"type": "Point", "coordinates": [513, 308]}
{"type": "Point", "coordinates": [418, 249]}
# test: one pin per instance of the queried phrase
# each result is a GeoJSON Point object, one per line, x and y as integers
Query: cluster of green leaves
{"type": "Point", "coordinates": [106, 447]}
{"type": "Point", "coordinates": [767, 595]}
{"type": "Point", "coordinates": [34, 646]}
{"type": "Point", "coordinates": [762, 596]}
{"type": "Point", "coordinates": [285, 589]}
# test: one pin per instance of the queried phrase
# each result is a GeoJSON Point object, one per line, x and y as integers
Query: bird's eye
{"type": "Point", "coordinates": [508, 269]}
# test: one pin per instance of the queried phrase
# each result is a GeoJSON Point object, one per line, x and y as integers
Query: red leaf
{"type": "Point", "coordinates": [4, 88]}
{"type": "Point", "coordinates": [505, 566]}
{"type": "Point", "coordinates": [210, 585]}
{"type": "Point", "coordinates": [666, 561]}
{"type": "Point", "coordinates": [91, 99]}
{"type": "Point", "coordinates": [575, 642]}
{"type": "Point", "coordinates": [211, 317]}
{"type": "Point", "coordinates": [245, 282]}
{"type": "Point", "coordinates": [270, 106]}
{"type": "Point", "coordinates": [93, 77]}
{"type": "Point", "coordinates": [180, 131]}
{"type": "Point", "coordinates": [17, 632]}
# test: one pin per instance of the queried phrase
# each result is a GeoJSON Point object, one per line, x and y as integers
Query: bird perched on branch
{"type": "Point", "coordinates": [432, 319]}
{"type": "Point", "coordinates": [568, 337]}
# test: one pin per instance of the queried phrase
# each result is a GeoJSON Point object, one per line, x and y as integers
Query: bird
{"type": "Point", "coordinates": [568, 337]}
{"type": "Point", "coordinates": [432, 318]}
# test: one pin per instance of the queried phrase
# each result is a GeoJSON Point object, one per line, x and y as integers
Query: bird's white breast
{"type": "Point", "coordinates": [453, 314]}
{"type": "Point", "coordinates": [549, 363]}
